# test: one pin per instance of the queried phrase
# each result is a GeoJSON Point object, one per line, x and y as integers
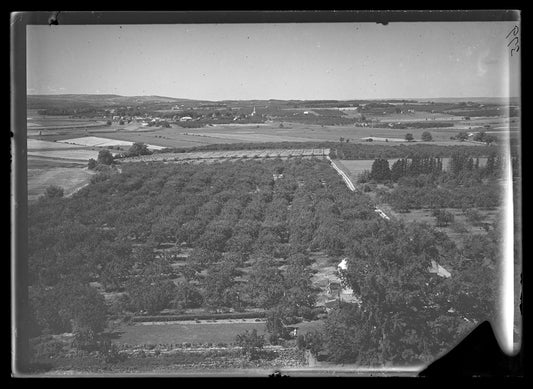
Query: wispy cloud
{"type": "Point", "coordinates": [484, 61]}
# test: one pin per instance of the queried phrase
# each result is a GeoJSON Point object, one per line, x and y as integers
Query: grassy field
{"type": "Point", "coordinates": [353, 168]}
{"type": "Point", "coordinates": [40, 122]}
{"type": "Point", "coordinates": [190, 332]}
{"type": "Point", "coordinates": [69, 178]}
{"type": "Point", "coordinates": [61, 151]}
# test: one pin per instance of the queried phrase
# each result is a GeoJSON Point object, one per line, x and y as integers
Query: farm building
{"type": "Point", "coordinates": [334, 288]}
{"type": "Point", "coordinates": [185, 119]}
{"type": "Point", "coordinates": [382, 214]}
{"type": "Point", "coordinates": [439, 270]}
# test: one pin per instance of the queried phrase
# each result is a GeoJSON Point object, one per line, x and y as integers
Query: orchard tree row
{"type": "Point", "coordinates": [247, 226]}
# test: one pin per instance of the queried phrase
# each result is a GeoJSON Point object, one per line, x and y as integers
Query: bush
{"type": "Point", "coordinates": [92, 164]}
{"type": "Point", "coordinates": [138, 148]}
{"type": "Point", "coordinates": [54, 191]}
{"type": "Point", "coordinates": [363, 177]}
{"type": "Point", "coordinates": [443, 217]}
{"type": "Point", "coordinates": [426, 136]}
{"type": "Point", "coordinates": [105, 157]}
{"type": "Point", "coordinates": [45, 347]}
{"type": "Point", "coordinates": [251, 343]}
{"type": "Point", "coordinates": [459, 228]}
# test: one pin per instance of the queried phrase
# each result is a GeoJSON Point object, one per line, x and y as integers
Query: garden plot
{"type": "Point", "coordinates": [94, 141]}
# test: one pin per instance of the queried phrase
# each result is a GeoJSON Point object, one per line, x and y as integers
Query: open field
{"type": "Point", "coordinates": [246, 133]}
{"type": "Point", "coordinates": [41, 122]}
{"type": "Point", "coordinates": [92, 141]}
{"type": "Point", "coordinates": [57, 150]}
{"type": "Point", "coordinates": [36, 162]}
{"type": "Point", "coordinates": [80, 154]}
{"type": "Point", "coordinates": [190, 332]}
{"type": "Point", "coordinates": [353, 168]}
{"type": "Point", "coordinates": [69, 178]}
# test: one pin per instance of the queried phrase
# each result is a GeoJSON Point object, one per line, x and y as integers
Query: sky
{"type": "Point", "coordinates": [302, 61]}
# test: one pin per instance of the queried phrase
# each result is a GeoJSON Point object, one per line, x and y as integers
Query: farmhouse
{"type": "Point", "coordinates": [185, 118]}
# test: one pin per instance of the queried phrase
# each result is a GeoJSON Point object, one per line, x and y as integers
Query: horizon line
{"type": "Point", "coordinates": [279, 99]}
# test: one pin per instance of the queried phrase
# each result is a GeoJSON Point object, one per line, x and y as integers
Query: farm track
{"type": "Point", "coordinates": [352, 187]}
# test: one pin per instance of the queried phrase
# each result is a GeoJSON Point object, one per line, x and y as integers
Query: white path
{"type": "Point", "coordinates": [351, 186]}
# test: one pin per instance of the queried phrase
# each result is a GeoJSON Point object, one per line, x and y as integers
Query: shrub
{"type": "Point", "coordinates": [443, 217]}
{"type": "Point", "coordinates": [363, 177]}
{"type": "Point", "coordinates": [53, 191]}
{"type": "Point", "coordinates": [110, 353]}
{"type": "Point", "coordinates": [138, 148]}
{"type": "Point", "coordinates": [426, 136]}
{"type": "Point", "coordinates": [92, 163]}
{"type": "Point", "coordinates": [459, 228]}
{"type": "Point", "coordinates": [45, 347]}
{"type": "Point", "coordinates": [251, 343]}
{"type": "Point", "coordinates": [105, 157]}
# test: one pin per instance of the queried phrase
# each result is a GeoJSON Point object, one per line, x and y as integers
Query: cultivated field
{"type": "Point", "coordinates": [40, 122]}
{"type": "Point", "coordinates": [239, 133]}
{"type": "Point", "coordinates": [61, 151]}
{"type": "Point", "coordinates": [231, 154]}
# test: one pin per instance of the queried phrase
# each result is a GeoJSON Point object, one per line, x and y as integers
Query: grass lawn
{"type": "Point", "coordinates": [190, 332]}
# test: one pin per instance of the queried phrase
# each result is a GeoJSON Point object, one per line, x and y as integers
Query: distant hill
{"type": "Point", "coordinates": [161, 102]}
{"type": "Point", "coordinates": [100, 101]}
{"type": "Point", "coordinates": [480, 100]}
